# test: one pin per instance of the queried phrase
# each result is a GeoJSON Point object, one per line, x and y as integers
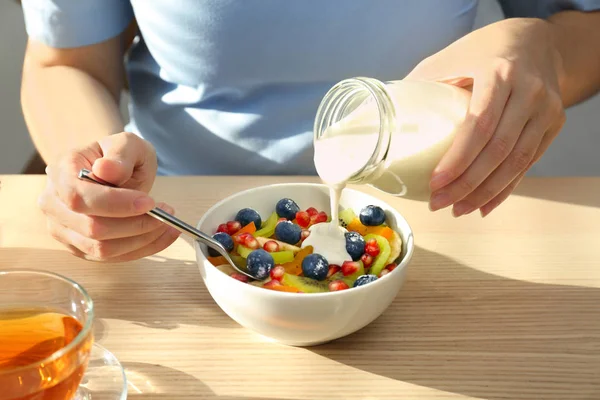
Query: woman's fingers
{"type": "Point", "coordinates": [99, 228]}
{"type": "Point", "coordinates": [127, 161]}
{"type": "Point", "coordinates": [99, 222]}
{"type": "Point", "coordinates": [91, 199]}
{"type": "Point", "coordinates": [504, 194]}
{"type": "Point", "coordinates": [517, 162]}
{"type": "Point", "coordinates": [558, 116]}
{"type": "Point", "coordinates": [544, 145]}
{"type": "Point", "coordinates": [490, 95]}
{"type": "Point", "coordinates": [497, 149]}
{"type": "Point", "coordinates": [168, 237]}
{"type": "Point", "coordinates": [104, 250]}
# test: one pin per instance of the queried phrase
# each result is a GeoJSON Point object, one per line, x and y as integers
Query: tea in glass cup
{"type": "Point", "coordinates": [45, 335]}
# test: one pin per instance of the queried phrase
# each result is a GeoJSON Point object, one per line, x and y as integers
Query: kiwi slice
{"type": "Point", "coordinates": [304, 284]}
{"type": "Point", "coordinates": [282, 257]}
{"type": "Point", "coordinates": [244, 251]}
{"type": "Point", "coordinates": [239, 261]}
{"type": "Point", "coordinates": [346, 216]}
{"type": "Point", "coordinates": [282, 245]}
{"type": "Point", "coordinates": [279, 257]}
{"type": "Point", "coordinates": [268, 227]}
{"type": "Point", "coordinates": [380, 261]}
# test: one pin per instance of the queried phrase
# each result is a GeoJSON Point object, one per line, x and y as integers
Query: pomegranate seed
{"type": "Point", "coordinates": [349, 267]}
{"type": "Point", "coordinates": [223, 228]}
{"type": "Point", "coordinates": [240, 239]}
{"type": "Point", "coordinates": [271, 246]}
{"type": "Point", "coordinates": [277, 273]}
{"type": "Point", "coordinates": [312, 211]}
{"type": "Point", "coordinates": [272, 283]}
{"type": "Point", "coordinates": [384, 272]}
{"type": "Point", "coordinates": [333, 269]}
{"type": "Point", "coordinates": [305, 233]}
{"type": "Point", "coordinates": [367, 260]}
{"type": "Point", "coordinates": [303, 219]}
{"type": "Point", "coordinates": [233, 227]}
{"type": "Point", "coordinates": [239, 277]}
{"type": "Point", "coordinates": [318, 218]}
{"type": "Point", "coordinates": [390, 267]}
{"type": "Point", "coordinates": [244, 237]}
{"type": "Point", "coordinates": [372, 248]}
{"type": "Point", "coordinates": [338, 285]}
{"type": "Point", "coordinates": [251, 242]}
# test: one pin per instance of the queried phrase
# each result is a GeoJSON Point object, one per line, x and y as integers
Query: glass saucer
{"type": "Point", "coordinates": [104, 378]}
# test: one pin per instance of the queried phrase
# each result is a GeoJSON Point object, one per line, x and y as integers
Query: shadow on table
{"type": "Point", "coordinates": [150, 381]}
{"type": "Point", "coordinates": [482, 335]}
{"type": "Point", "coordinates": [180, 297]}
{"type": "Point", "coordinates": [564, 190]}
{"type": "Point", "coordinates": [133, 291]}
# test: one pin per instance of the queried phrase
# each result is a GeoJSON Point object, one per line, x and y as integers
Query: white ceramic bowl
{"type": "Point", "coordinates": [300, 319]}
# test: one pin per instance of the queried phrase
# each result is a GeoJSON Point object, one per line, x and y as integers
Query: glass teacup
{"type": "Point", "coordinates": [46, 335]}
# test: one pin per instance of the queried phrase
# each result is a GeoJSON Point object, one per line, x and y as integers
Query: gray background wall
{"type": "Point", "coordinates": [15, 146]}
{"type": "Point", "coordinates": [575, 152]}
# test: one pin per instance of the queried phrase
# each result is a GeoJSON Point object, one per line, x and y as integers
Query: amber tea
{"type": "Point", "coordinates": [30, 367]}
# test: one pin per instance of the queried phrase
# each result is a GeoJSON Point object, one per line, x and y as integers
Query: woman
{"type": "Point", "coordinates": [231, 87]}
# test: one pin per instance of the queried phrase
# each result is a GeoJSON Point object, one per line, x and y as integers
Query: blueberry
{"type": "Point", "coordinates": [355, 245]}
{"type": "Point", "coordinates": [315, 266]}
{"type": "Point", "coordinates": [259, 263]}
{"type": "Point", "coordinates": [364, 279]}
{"type": "Point", "coordinates": [225, 240]}
{"type": "Point", "coordinates": [287, 208]}
{"type": "Point", "coordinates": [247, 215]}
{"type": "Point", "coordinates": [288, 232]}
{"type": "Point", "coordinates": [372, 216]}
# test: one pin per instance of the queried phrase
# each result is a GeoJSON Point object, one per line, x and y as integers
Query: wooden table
{"type": "Point", "coordinates": [506, 307]}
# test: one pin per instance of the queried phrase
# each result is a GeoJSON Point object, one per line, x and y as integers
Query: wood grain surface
{"type": "Point", "coordinates": [501, 308]}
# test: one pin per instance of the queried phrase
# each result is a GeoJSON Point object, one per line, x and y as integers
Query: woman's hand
{"type": "Point", "coordinates": [101, 223]}
{"type": "Point", "coordinates": [513, 69]}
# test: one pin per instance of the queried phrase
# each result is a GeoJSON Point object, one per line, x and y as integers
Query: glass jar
{"type": "Point", "coordinates": [390, 135]}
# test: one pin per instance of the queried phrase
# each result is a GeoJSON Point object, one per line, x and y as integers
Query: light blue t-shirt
{"type": "Point", "coordinates": [231, 87]}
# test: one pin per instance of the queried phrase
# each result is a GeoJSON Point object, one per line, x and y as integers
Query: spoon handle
{"type": "Point", "coordinates": [163, 216]}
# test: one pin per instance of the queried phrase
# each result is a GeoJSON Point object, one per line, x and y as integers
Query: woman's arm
{"type": "Point", "coordinates": [70, 97]}
{"type": "Point", "coordinates": [577, 39]}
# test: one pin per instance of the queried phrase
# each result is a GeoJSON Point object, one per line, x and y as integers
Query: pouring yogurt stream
{"type": "Point", "coordinates": [390, 135]}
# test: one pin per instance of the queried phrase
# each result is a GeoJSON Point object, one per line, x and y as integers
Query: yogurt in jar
{"type": "Point", "coordinates": [427, 116]}
{"type": "Point", "coordinates": [424, 119]}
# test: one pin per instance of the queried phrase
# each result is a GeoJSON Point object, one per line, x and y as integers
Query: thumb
{"type": "Point", "coordinates": [437, 68]}
{"type": "Point", "coordinates": [113, 170]}
{"type": "Point", "coordinates": [127, 161]}
{"type": "Point", "coordinates": [460, 81]}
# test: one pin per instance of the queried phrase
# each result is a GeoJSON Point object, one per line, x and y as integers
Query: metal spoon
{"type": "Point", "coordinates": [176, 223]}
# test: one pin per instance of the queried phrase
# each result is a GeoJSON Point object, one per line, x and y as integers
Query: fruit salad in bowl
{"type": "Point", "coordinates": [318, 279]}
{"type": "Point", "coordinates": [283, 258]}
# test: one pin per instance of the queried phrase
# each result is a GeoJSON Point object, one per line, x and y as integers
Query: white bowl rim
{"type": "Point", "coordinates": [410, 246]}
